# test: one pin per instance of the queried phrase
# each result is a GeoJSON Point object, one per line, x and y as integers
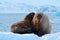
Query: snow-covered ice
{"type": "Point", "coordinates": [54, 36]}
{"type": "Point", "coordinates": [14, 10]}
{"type": "Point", "coordinates": [12, 36]}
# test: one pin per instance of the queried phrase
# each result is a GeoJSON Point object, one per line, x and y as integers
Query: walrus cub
{"type": "Point", "coordinates": [41, 24]}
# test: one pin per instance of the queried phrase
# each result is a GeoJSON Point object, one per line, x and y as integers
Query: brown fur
{"type": "Point", "coordinates": [37, 23]}
{"type": "Point", "coordinates": [23, 26]}
{"type": "Point", "coordinates": [41, 24]}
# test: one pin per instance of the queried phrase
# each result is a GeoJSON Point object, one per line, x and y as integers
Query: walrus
{"type": "Point", "coordinates": [23, 26]}
{"type": "Point", "coordinates": [37, 23]}
{"type": "Point", "coordinates": [41, 24]}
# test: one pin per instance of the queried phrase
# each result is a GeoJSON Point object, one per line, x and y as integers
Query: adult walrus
{"type": "Point", "coordinates": [37, 23]}
{"type": "Point", "coordinates": [41, 24]}
{"type": "Point", "coordinates": [23, 26]}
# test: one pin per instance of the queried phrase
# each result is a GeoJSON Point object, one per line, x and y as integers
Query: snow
{"type": "Point", "coordinates": [15, 10]}
{"type": "Point", "coordinates": [54, 36]}
{"type": "Point", "coordinates": [20, 6]}
{"type": "Point", "coordinates": [7, 19]}
{"type": "Point", "coordinates": [12, 36]}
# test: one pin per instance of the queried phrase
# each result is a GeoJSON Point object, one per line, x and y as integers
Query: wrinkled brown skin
{"type": "Point", "coordinates": [23, 26]}
{"type": "Point", "coordinates": [37, 23]}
